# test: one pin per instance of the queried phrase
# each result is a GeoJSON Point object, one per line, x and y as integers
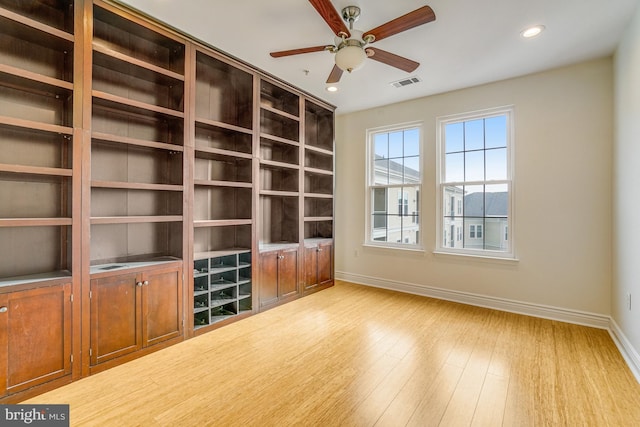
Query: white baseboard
{"type": "Point", "coordinates": [629, 353]}
{"type": "Point", "coordinates": [593, 320]}
{"type": "Point", "coordinates": [537, 310]}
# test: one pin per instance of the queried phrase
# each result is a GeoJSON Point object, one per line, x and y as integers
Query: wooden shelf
{"type": "Point", "coordinates": [319, 195]}
{"type": "Point", "coordinates": [279, 193]}
{"type": "Point", "coordinates": [34, 222]}
{"type": "Point", "coordinates": [35, 170]}
{"type": "Point", "coordinates": [222, 222]}
{"type": "Point", "coordinates": [318, 149]}
{"type": "Point", "coordinates": [234, 184]}
{"type": "Point", "coordinates": [273, 164]}
{"type": "Point", "coordinates": [135, 106]}
{"type": "Point", "coordinates": [113, 59]}
{"type": "Point", "coordinates": [136, 186]}
{"type": "Point", "coordinates": [279, 139]}
{"type": "Point", "coordinates": [31, 125]}
{"type": "Point", "coordinates": [223, 152]}
{"type": "Point", "coordinates": [220, 253]}
{"type": "Point", "coordinates": [318, 218]}
{"type": "Point", "coordinates": [318, 171]}
{"type": "Point", "coordinates": [279, 112]}
{"type": "Point", "coordinates": [222, 125]}
{"type": "Point", "coordinates": [135, 219]}
{"type": "Point", "coordinates": [36, 81]}
{"type": "Point", "coordinates": [135, 141]}
{"type": "Point", "coordinates": [148, 44]}
{"type": "Point", "coordinates": [23, 27]}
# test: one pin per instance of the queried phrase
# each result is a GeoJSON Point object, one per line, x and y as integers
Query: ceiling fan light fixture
{"type": "Point", "coordinates": [350, 57]}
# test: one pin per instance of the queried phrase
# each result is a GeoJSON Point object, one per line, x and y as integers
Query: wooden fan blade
{"type": "Point", "coordinates": [393, 60]}
{"type": "Point", "coordinates": [331, 16]}
{"type": "Point", "coordinates": [334, 76]}
{"type": "Point", "coordinates": [282, 53]}
{"type": "Point", "coordinates": [420, 16]}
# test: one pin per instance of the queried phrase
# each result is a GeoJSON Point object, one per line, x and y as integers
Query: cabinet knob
{"type": "Point", "coordinates": [139, 284]}
{"type": "Point", "coordinates": [319, 249]}
{"type": "Point", "coordinates": [145, 283]}
{"type": "Point", "coordinates": [280, 256]}
{"type": "Point", "coordinates": [4, 309]}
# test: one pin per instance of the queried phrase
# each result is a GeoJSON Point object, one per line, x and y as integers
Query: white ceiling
{"type": "Point", "coordinates": [471, 42]}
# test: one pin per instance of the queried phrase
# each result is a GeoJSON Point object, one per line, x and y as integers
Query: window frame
{"type": "Point", "coordinates": [370, 185]}
{"type": "Point", "coordinates": [441, 123]}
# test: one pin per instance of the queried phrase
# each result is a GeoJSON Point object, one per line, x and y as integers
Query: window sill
{"type": "Point", "coordinates": [479, 257]}
{"type": "Point", "coordinates": [414, 249]}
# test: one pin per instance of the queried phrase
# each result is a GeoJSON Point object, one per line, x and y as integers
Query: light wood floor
{"type": "Point", "coordinates": [358, 356]}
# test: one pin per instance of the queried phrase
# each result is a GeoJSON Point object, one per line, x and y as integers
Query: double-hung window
{"type": "Point", "coordinates": [394, 186]}
{"type": "Point", "coordinates": [475, 173]}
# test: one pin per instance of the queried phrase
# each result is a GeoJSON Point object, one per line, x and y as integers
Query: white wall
{"type": "Point", "coordinates": [563, 178]}
{"type": "Point", "coordinates": [626, 176]}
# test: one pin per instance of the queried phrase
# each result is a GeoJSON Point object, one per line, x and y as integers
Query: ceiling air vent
{"type": "Point", "coordinates": [406, 82]}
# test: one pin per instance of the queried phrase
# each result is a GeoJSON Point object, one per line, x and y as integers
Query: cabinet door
{"type": "Point", "coordinates": [161, 305]}
{"type": "Point", "coordinates": [310, 267]}
{"type": "Point", "coordinates": [268, 288]}
{"type": "Point", "coordinates": [35, 335]}
{"type": "Point", "coordinates": [325, 263]}
{"type": "Point", "coordinates": [288, 273]}
{"type": "Point", "coordinates": [116, 322]}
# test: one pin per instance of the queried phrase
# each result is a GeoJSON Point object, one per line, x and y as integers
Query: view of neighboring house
{"type": "Point", "coordinates": [475, 220]}
{"type": "Point", "coordinates": [395, 208]}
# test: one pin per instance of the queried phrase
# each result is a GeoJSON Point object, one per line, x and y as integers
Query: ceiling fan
{"type": "Point", "coordinates": [351, 46]}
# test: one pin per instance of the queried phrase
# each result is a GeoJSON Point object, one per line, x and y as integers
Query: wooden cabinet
{"type": "Point", "coordinates": [132, 311]}
{"type": "Point", "coordinates": [129, 154]}
{"type": "Point", "coordinates": [318, 264]}
{"type": "Point", "coordinates": [35, 337]}
{"type": "Point", "coordinates": [278, 276]}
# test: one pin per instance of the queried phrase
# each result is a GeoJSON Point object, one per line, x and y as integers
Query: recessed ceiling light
{"type": "Point", "coordinates": [332, 88]}
{"type": "Point", "coordinates": [532, 31]}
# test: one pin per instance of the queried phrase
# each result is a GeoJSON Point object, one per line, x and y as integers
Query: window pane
{"type": "Point", "coordinates": [381, 172]}
{"type": "Point", "coordinates": [380, 221]}
{"type": "Point", "coordinates": [454, 137]}
{"type": "Point", "coordinates": [393, 195]}
{"type": "Point", "coordinates": [474, 166]}
{"type": "Point", "coordinates": [474, 135]}
{"type": "Point", "coordinates": [412, 199]}
{"type": "Point", "coordinates": [381, 146]}
{"type": "Point", "coordinates": [394, 229]}
{"type": "Point", "coordinates": [411, 170]}
{"type": "Point", "coordinates": [411, 142]}
{"type": "Point", "coordinates": [495, 129]}
{"type": "Point", "coordinates": [473, 201]}
{"type": "Point", "coordinates": [380, 200]}
{"type": "Point", "coordinates": [453, 201]}
{"type": "Point", "coordinates": [395, 145]}
{"type": "Point", "coordinates": [454, 168]}
{"type": "Point", "coordinates": [496, 200]}
{"type": "Point", "coordinates": [396, 171]}
{"type": "Point", "coordinates": [496, 163]}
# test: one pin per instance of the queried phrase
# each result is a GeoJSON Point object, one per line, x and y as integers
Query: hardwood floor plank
{"type": "Point", "coordinates": [359, 356]}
